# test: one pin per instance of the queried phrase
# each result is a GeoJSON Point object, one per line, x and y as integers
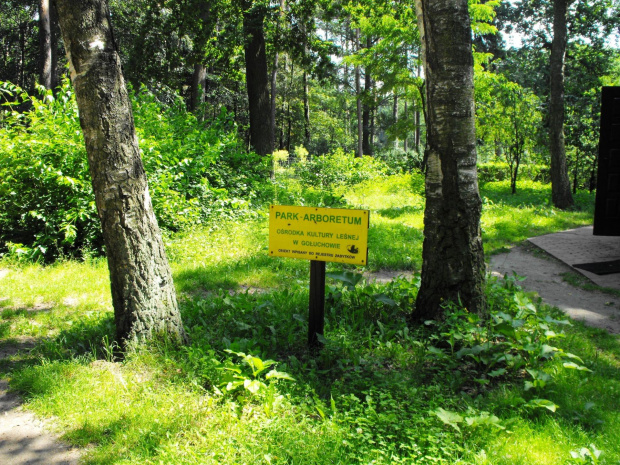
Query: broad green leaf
{"type": "Point", "coordinates": [574, 366]}
{"type": "Point", "coordinates": [542, 403]}
{"type": "Point", "coordinates": [449, 418]}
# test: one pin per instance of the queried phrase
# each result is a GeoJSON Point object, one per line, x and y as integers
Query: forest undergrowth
{"type": "Point", "coordinates": [522, 386]}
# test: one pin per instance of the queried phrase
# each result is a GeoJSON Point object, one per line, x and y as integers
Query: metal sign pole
{"type": "Point", "coordinates": [316, 316]}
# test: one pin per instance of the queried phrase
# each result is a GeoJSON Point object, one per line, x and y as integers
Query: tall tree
{"type": "Point", "coordinates": [555, 25]}
{"type": "Point", "coordinates": [560, 184]}
{"type": "Point", "coordinates": [358, 92]}
{"type": "Point", "coordinates": [452, 254]}
{"type": "Point", "coordinates": [143, 293]}
{"type": "Point", "coordinates": [257, 79]}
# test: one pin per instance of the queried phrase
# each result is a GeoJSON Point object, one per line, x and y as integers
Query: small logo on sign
{"type": "Point", "coordinates": [353, 249]}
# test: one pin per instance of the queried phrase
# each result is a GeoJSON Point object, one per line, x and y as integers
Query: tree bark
{"type": "Point", "coordinates": [45, 45]}
{"type": "Point", "coordinates": [55, 31]}
{"type": "Point", "coordinates": [199, 85]}
{"type": "Point", "coordinates": [257, 79]}
{"type": "Point", "coordinates": [366, 137]}
{"type": "Point", "coordinates": [395, 117]}
{"type": "Point", "coordinates": [560, 184]}
{"type": "Point", "coordinates": [143, 293]}
{"type": "Point", "coordinates": [274, 78]}
{"type": "Point", "coordinates": [358, 93]}
{"type": "Point", "coordinates": [452, 256]}
{"type": "Point", "coordinates": [306, 110]}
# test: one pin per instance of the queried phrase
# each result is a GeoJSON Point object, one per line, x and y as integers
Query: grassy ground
{"type": "Point", "coordinates": [506, 391]}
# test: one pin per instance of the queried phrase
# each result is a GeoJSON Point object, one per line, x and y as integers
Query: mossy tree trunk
{"type": "Point", "coordinates": [453, 260]}
{"type": "Point", "coordinates": [143, 293]}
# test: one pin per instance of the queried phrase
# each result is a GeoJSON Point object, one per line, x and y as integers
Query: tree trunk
{"type": "Point", "coordinates": [358, 93]}
{"type": "Point", "coordinates": [395, 117]}
{"type": "Point", "coordinates": [274, 82]}
{"type": "Point", "coordinates": [22, 53]}
{"type": "Point", "coordinates": [55, 35]}
{"type": "Point", "coordinates": [143, 293]}
{"type": "Point", "coordinates": [257, 80]}
{"type": "Point", "coordinates": [366, 144]}
{"type": "Point", "coordinates": [560, 184]}
{"type": "Point", "coordinates": [452, 256]}
{"type": "Point", "coordinates": [274, 78]}
{"type": "Point", "coordinates": [199, 76]}
{"type": "Point", "coordinates": [45, 45]}
{"type": "Point", "coordinates": [199, 85]}
{"type": "Point", "coordinates": [405, 144]}
{"type": "Point", "coordinates": [306, 110]}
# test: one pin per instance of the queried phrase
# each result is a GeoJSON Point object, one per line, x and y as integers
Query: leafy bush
{"type": "Point", "coordinates": [401, 161]}
{"type": "Point", "coordinates": [197, 171]}
{"type": "Point", "coordinates": [500, 171]}
{"type": "Point", "coordinates": [339, 169]}
{"type": "Point", "coordinates": [46, 202]}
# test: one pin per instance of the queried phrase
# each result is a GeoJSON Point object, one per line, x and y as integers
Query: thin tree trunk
{"type": "Point", "coordinates": [45, 45]}
{"type": "Point", "coordinates": [199, 76]}
{"type": "Point", "coordinates": [274, 76]}
{"type": "Point", "coordinates": [22, 53]}
{"type": "Point", "coordinates": [306, 110]}
{"type": "Point", "coordinates": [366, 145]}
{"type": "Point", "coordinates": [405, 143]}
{"type": "Point", "coordinates": [257, 81]}
{"type": "Point", "coordinates": [55, 35]}
{"type": "Point", "coordinates": [358, 93]}
{"type": "Point", "coordinates": [395, 117]}
{"type": "Point", "coordinates": [418, 130]}
{"type": "Point", "coordinates": [452, 256]}
{"type": "Point", "coordinates": [143, 293]}
{"type": "Point", "coordinates": [199, 85]}
{"type": "Point", "coordinates": [560, 184]}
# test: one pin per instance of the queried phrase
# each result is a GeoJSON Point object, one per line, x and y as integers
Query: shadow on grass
{"type": "Point", "coordinates": [397, 212]}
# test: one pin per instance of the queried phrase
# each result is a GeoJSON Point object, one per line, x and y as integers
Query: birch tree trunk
{"type": "Point", "coordinates": [45, 45]}
{"type": "Point", "coordinates": [560, 184]}
{"type": "Point", "coordinates": [143, 293]}
{"type": "Point", "coordinates": [452, 256]}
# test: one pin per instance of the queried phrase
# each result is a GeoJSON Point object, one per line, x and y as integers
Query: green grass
{"type": "Point", "coordinates": [374, 394]}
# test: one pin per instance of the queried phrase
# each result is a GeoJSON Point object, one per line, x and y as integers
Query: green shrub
{"type": "Point", "coordinates": [500, 171]}
{"type": "Point", "coordinates": [401, 161]}
{"type": "Point", "coordinates": [46, 203]}
{"type": "Point", "coordinates": [339, 169]}
{"type": "Point", "coordinates": [197, 171]}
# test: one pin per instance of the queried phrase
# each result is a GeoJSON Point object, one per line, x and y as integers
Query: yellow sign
{"type": "Point", "coordinates": [323, 234]}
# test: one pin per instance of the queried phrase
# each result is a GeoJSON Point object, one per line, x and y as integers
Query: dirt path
{"type": "Point", "coordinates": [544, 276]}
{"type": "Point", "coordinates": [24, 439]}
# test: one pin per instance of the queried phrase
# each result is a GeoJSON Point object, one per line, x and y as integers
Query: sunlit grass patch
{"type": "Point", "coordinates": [40, 300]}
{"type": "Point", "coordinates": [508, 219]}
{"type": "Point", "coordinates": [381, 391]}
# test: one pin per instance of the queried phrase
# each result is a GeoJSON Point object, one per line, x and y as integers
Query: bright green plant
{"type": "Point", "coordinates": [46, 202]}
{"type": "Point", "coordinates": [339, 169]}
{"type": "Point", "coordinates": [197, 171]}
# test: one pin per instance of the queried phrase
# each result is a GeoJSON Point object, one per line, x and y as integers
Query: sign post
{"type": "Point", "coordinates": [319, 235]}
{"type": "Point", "coordinates": [316, 313]}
